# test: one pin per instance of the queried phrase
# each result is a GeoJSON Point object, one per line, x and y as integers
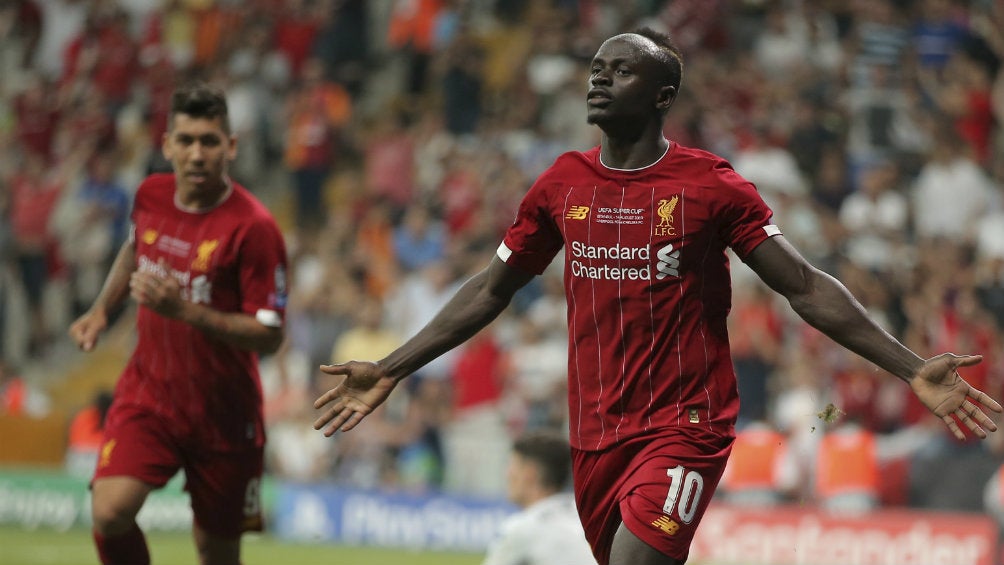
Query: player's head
{"type": "Point", "coordinates": [199, 100]}
{"type": "Point", "coordinates": [634, 76]}
{"type": "Point", "coordinates": [540, 466]}
{"type": "Point", "coordinates": [669, 56]}
{"type": "Point", "coordinates": [198, 142]}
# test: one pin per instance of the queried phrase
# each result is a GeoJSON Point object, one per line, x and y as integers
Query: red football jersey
{"type": "Point", "coordinates": [647, 284]}
{"type": "Point", "coordinates": [230, 258]}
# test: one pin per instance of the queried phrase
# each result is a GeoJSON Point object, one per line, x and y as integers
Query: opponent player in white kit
{"type": "Point", "coordinates": [546, 530]}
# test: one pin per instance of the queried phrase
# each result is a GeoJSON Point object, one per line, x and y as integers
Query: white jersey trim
{"type": "Point", "coordinates": [269, 318]}
{"type": "Point", "coordinates": [772, 230]}
{"type": "Point", "coordinates": [668, 145]}
{"type": "Point", "coordinates": [504, 252]}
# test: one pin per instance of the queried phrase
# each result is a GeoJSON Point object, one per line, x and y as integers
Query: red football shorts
{"type": "Point", "coordinates": [658, 485]}
{"type": "Point", "coordinates": [225, 487]}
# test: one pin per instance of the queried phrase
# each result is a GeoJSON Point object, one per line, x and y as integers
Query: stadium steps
{"type": "Point", "coordinates": [84, 374]}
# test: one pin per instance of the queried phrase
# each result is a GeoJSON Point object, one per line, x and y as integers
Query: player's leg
{"type": "Point", "coordinates": [226, 502]}
{"type": "Point", "coordinates": [669, 488]}
{"type": "Point", "coordinates": [627, 549]}
{"type": "Point", "coordinates": [215, 550]}
{"type": "Point", "coordinates": [136, 457]}
{"type": "Point", "coordinates": [642, 501]}
{"type": "Point", "coordinates": [115, 501]}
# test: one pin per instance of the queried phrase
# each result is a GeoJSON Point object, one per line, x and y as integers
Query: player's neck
{"type": "Point", "coordinates": [196, 199]}
{"type": "Point", "coordinates": [631, 155]}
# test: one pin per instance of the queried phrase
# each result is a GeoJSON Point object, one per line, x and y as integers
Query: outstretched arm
{"type": "Point", "coordinates": [367, 384]}
{"type": "Point", "coordinates": [825, 304]}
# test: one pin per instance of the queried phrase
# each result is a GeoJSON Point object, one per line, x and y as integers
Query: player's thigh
{"type": "Point", "coordinates": [627, 549]}
{"type": "Point", "coordinates": [225, 489]}
{"type": "Point", "coordinates": [115, 501]}
{"type": "Point", "coordinates": [137, 444]}
{"type": "Point", "coordinates": [668, 487]}
{"type": "Point", "coordinates": [656, 488]}
{"type": "Point", "coordinates": [137, 456]}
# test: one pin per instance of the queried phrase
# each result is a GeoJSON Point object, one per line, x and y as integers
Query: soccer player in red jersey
{"type": "Point", "coordinates": [206, 264]}
{"type": "Point", "coordinates": [645, 224]}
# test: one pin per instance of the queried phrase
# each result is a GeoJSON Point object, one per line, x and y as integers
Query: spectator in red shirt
{"type": "Point", "coordinates": [36, 114]}
{"type": "Point", "coordinates": [105, 55]}
{"type": "Point", "coordinates": [295, 32]}
{"type": "Point", "coordinates": [35, 189]}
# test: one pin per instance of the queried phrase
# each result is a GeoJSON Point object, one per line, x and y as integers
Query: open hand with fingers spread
{"type": "Point", "coordinates": [364, 388]}
{"type": "Point", "coordinates": [940, 387]}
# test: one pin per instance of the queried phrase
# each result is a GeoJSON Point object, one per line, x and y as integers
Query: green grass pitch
{"type": "Point", "coordinates": [46, 547]}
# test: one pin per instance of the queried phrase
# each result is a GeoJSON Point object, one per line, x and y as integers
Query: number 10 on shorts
{"type": "Point", "coordinates": [685, 488]}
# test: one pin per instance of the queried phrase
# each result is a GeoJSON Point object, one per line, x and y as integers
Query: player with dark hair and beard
{"type": "Point", "coordinates": [206, 264]}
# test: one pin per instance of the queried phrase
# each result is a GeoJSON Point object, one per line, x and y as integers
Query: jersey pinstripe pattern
{"type": "Point", "coordinates": [231, 258]}
{"type": "Point", "coordinates": [647, 286]}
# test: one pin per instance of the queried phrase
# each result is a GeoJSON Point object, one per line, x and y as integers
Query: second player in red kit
{"type": "Point", "coordinates": [206, 264]}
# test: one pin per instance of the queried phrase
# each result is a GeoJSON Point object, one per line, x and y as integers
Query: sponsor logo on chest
{"type": "Point", "coordinates": [167, 244]}
{"type": "Point", "coordinates": [665, 210]}
{"type": "Point", "coordinates": [621, 260]}
{"type": "Point", "coordinates": [196, 286]}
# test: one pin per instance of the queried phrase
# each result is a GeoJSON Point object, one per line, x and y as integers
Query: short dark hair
{"type": "Point", "coordinates": [200, 100]}
{"type": "Point", "coordinates": [550, 452]}
{"type": "Point", "coordinates": [670, 55]}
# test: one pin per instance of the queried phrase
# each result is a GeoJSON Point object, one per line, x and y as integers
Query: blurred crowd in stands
{"type": "Point", "coordinates": [394, 139]}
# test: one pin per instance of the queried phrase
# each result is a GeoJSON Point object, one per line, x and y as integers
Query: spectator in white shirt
{"type": "Point", "coordinates": [876, 217]}
{"type": "Point", "coordinates": [951, 193]}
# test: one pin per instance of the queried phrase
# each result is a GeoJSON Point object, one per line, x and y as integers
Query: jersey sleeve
{"type": "Point", "coordinates": [263, 274]}
{"type": "Point", "coordinates": [746, 220]}
{"type": "Point", "coordinates": [533, 240]}
{"type": "Point", "coordinates": [139, 200]}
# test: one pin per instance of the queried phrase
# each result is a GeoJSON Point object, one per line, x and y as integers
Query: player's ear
{"type": "Point", "coordinates": [232, 149]}
{"type": "Point", "coordinates": [165, 145]}
{"type": "Point", "coordinates": [666, 97]}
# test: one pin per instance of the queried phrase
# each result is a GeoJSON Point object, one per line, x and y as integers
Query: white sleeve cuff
{"type": "Point", "coordinates": [504, 252]}
{"type": "Point", "coordinates": [269, 318]}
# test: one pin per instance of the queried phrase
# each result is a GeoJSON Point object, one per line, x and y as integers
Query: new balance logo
{"type": "Point", "coordinates": [667, 525]}
{"type": "Point", "coordinates": [577, 213]}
